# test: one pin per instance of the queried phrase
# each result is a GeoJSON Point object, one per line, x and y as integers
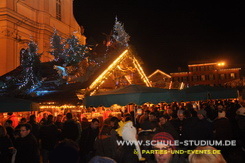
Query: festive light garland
{"type": "Point", "coordinates": [104, 75]}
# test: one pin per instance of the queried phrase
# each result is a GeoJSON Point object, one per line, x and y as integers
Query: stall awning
{"type": "Point", "coordinates": [133, 94]}
{"type": "Point", "coordinates": [140, 95]}
{"type": "Point", "coordinates": [11, 104]}
{"type": "Point", "coordinates": [203, 92]}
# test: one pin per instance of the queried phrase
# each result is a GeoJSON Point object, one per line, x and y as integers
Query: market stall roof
{"type": "Point", "coordinates": [133, 94]}
{"type": "Point", "coordinates": [133, 89]}
{"type": "Point", "coordinates": [203, 92]}
{"type": "Point", "coordinates": [11, 104]}
{"type": "Point", "coordinates": [140, 94]}
{"type": "Point", "coordinates": [61, 97]}
{"type": "Point", "coordinates": [106, 71]}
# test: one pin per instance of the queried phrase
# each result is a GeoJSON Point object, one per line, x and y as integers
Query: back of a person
{"type": "Point", "coordinates": [25, 149]}
{"type": "Point", "coordinates": [5, 152]}
{"type": "Point", "coordinates": [67, 151]}
{"type": "Point", "coordinates": [71, 130]}
{"type": "Point", "coordinates": [49, 135]}
{"type": "Point", "coordinates": [105, 144]}
{"type": "Point", "coordinates": [35, 128]}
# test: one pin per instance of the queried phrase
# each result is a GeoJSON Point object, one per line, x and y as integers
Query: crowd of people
{"type": "Point", "coordinates": [65, 139]}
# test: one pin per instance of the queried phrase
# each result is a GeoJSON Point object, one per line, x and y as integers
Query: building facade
{"type": "Point", "coordinates": [213, 74]}
{"type": "Point", "coordinates": [25, 20]}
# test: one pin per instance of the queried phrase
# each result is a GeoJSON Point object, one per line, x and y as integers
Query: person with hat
{"type": "Point", "coordinates": [163, 143]}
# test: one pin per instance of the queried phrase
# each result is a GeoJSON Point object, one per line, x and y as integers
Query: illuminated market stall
{"type": "Point", "coordinates": [77, 71]}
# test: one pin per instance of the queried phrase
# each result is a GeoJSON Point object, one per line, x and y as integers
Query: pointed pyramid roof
{"type": "Point", "coordinates": [107, 70]}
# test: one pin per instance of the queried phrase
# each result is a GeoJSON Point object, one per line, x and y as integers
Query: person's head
{"type": "Point", "coordinates": [10, 113]}
{"type": "Point", "coordinates": [32, 118]}
{"type": "Point", "coordinates": [220, 107]}
{"type": "Point", "coordinates": [221, 113]}
{"type": "Point", "coordinates": [201, 114]}
{"type": "Point", "coordinates": [25, 129]}
{"type": "Point", "coordinates": [163, 118]}
{"type": "Point", "coordinates": [95, 123]}
{"type": "Point", "coordinates": [114, 122]}
{"type": "Point", "coordinates": [147, 112]}
{"type": "Point", "coordinates": [59, 118]}
{"type": "Point", "coordinates": [163, 141]}
{"type": "Point", "coordinates": [152, 116]}
{"type": "Point", "coordinates": [66, 151]}
{"type": "Point", "coordinates": [127, 118]}
{"type": "Point", "coordinates": [23, 120]}
{"type": "Point", "coordinates": [212, 157]}
{"type": "Point", "coordinates": [68, 116]}
{"type": "Point", "coordinates": [8, 123]}
{"type": "Point", "coordinates": [50, 119]}
{"type": "Point", "coordinates": [3, 131]}
{"type": "Point", "coordinates": [181, 115]}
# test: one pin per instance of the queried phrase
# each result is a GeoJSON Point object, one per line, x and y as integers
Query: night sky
{"type": "Point", "coordinates": [172, 33]}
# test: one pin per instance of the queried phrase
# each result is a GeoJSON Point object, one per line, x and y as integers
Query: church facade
{"type": "Point", "coordinates": [24, 20]}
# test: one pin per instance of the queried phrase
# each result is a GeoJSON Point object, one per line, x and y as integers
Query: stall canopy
{"type": "Point", "coordinates": [202, 92]}
{"type": "Point", "coordinates": [11, 104]}
{"type": "Point", "coordinates": [140, 94]}
{"type": "Point", "coordinates": [133, 94]}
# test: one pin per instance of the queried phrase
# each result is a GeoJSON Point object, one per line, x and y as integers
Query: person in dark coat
{"type": "Point", "coordinates": [6, 146]}
{"type": "Point", "coordinates": [35, 126]}
{"type": "Point", "coordinates": [27, 147]}
{"type": "Point", "coordinates": [17, 128]}
{"type": "Point", "coordinates": [10, 130]}
{"type": "Point", "coordinates": [87, 140]}
{"type": "Point", "coordinates": [49, 136]}
{"type": "Point", "coordinates": [198, 128]}
{"type": "Point", "coordinates": [151, 123]}
{"type": "Point", "coordinates": [59, 122]}
{"type": "Point", "coordinates": [221, 132]}
{"type": "Point", "coordinates": [178, 123]}
{"type": "Point", "coordinates": [44, 120]}
{"type": "Point", "coordinates": [71, 129]}
{"type": "Point", "coordinates": [67, 151]}
{"type": "Point", "coordinates": [166, 126]}
{"type": "Point", "coordinates": [105, 145]}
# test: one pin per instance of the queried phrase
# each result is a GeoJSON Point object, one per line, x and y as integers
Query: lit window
{"type": "Point", "coordinates": [202, 68]}
{"type": "Point", "coordinates": [211, 77]}
{"type": "Point", "coordinates": [58, 9]}
{"type": "Point", "coordinates": [232, 75]}
{"type": "Point", "coordinates": [202, 77]}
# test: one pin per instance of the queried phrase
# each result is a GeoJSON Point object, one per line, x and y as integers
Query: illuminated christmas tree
{"type": "Point", "coordinates": [119, 35]}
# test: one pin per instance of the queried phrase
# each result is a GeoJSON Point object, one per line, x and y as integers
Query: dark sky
{"type": "Point", "coordinates": [172, 33]}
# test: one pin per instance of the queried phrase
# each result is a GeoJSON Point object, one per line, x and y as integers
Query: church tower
{"type": "Point", "coordinates": [25, 20]}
